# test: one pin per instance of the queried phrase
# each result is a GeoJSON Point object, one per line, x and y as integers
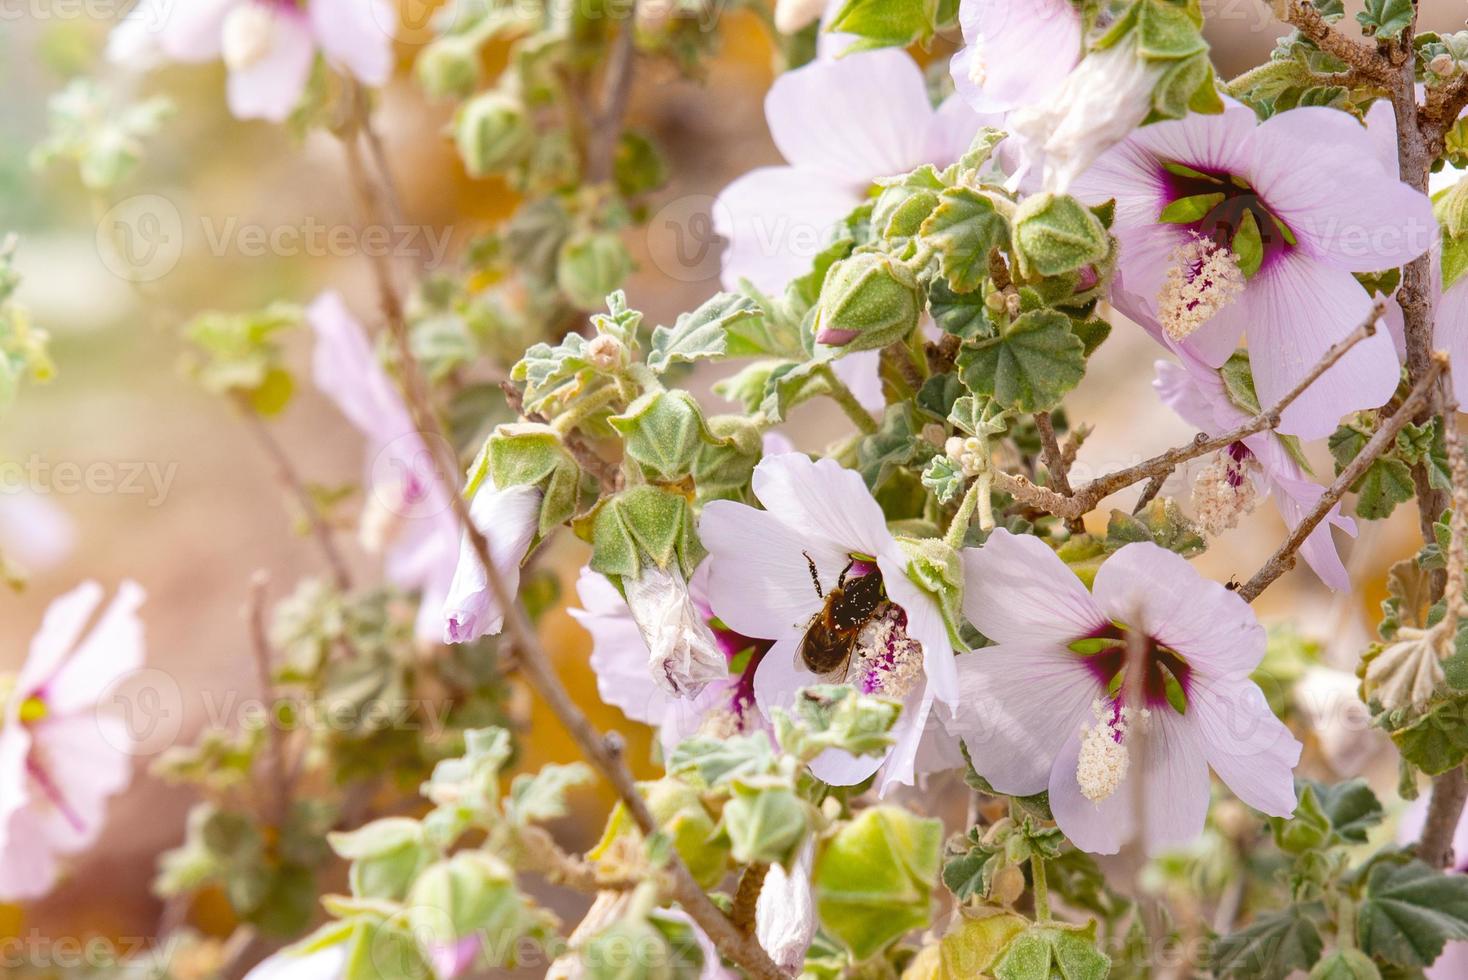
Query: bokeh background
{"type": "Point", "coordinates": [195, 537]}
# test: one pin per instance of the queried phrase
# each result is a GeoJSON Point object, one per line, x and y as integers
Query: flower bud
{"type": "Point", "coordinates": [449, 67]}
{"type": "Point", "coordinates": [900, 211]}
{"type": "Point", "coordinates": [682, 816]}
{"type": "Point", "coordinates": [684, 656]}
{"type": "Point", "coordinates": [1056, 235]}
{"type": "Point", "coordinates": [591, 266]}
{"type": "Point", "coordinates": [867, 302]}
{"type": "Point", "coordinates": [492, 133]}
{"type": "Point", "coordinates": [873, 880]}
{"type": "Point", "coordinates": [606, 353]}
{"type": "Point", "coordinates": [471, 892]}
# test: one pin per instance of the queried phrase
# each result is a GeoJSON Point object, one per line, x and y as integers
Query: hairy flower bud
{"type": "Point", "coordinates": [685, 658]}
{"type": "Point", "coordinates": [449, 67]}
{"type": "Point", "coordinates": [492, 133]}
{"type": "Point", "coordinates": [592, 266]}
{"type": "Point", "coordinates": [867, 302]}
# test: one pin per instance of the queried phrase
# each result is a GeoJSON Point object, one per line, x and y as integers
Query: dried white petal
{"type": "Point", "coordinates": [685, 658]}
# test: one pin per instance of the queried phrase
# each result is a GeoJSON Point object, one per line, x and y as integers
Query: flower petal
{"type": "Point", "coordinates": [1451, 334]}
{"type": "Point", "coordinates": [509, 519]}
{"type": "Point", "coordinates": [618, 651]}
{"type": "Point", "coordinates": [60, 630]}
{"type": "Point", "coordinates": [859, 117]}
{"type": "Point", "coordinates": [272, 87]}
{"type": "Point", "coordinates": [1297, 308]}
{"type": "Point", "coordinates": [1250, 749]}
{"type": "Point", "coordinates": [1361, 217]}
{"type": "Point", "coordinates": [1006, 40]}
{"type": "Point", "coordinates": [1019, 704]}
{"type": "Point", "coordinates": [356, 34]}
{"type": "Point", "coordinates": [191, 31]}
{"type": "Point", "coordinates": [1017, 590]}
{"type": "Point", "coordinates": [345, 369]}
{"type": "Point", "coordinates": [828, 503]}
{"type": "Point", "coordinates": [924, 624]}
{"type": "Point", "coordinates": [776, 220]}
{"type": "Point", "coordinates": [1159, 592]}
{"type": "Point", "coordinates": [113, 649]}
{"type": "Point", "coordinates": [759, 580]}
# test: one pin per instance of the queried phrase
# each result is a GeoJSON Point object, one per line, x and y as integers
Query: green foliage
{"type": "Point", "coordinates": [1029, 366]}
{"type": "Point", "coordinates": [886, 23]}
{"type": "Point", "coordinates": [1271, 948]}
{"type": "Point", "coordinates": [1386, 19]}
{"type": "Point", "coordinates": [1053, 952]}
{"type": "Point", "coordinates": [100, 134]}
{"type": "Point", "coordinates": [240, 354]}
{"type": "Point", "coordinates": [963, 230]}
{"type": "Point", "coordinates": [1410, 912]}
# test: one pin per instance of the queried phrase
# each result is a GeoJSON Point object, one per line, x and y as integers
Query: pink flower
{"type": "Point", "coordinates": [760, 584]}
{"type": "Point", "coordinates": [1196, 393]}
{"type": "Point", "coordinates": [407, 509]}
{"type": "Point", "coordinates": [1017, 53]}
{"type": "Point", "coordinates": [61, 755]}
{"type": "Point", "coordinates": [840, 125]}
{"type": "Point", "coordinates": [619, 657]}
{"type": "Point", "coordinates": [269, 46]}
{"type": "Point", "coordinates": [34, 533]}
{"type": "Point", "coordinates": [1038, 715]}
{"type": "Point", "coordinates": [329, 963]}
{"type": "Point", "coordinates": [509, 519]}
{"type": "Point", "coordinates": [1266, 223]}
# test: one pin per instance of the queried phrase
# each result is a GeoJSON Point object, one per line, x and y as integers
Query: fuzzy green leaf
{"type": "Point", "coordinates": [963, 230]}
{"type": "Point", "coordinates": [1411, 911]}
{"type": "Point", "coordinates": [1030, 366]}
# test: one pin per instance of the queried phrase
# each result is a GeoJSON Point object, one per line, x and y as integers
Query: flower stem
{"type": "Point", "coordinates": [1345, 923]}
{"type": "Point", "coordinates": [1041, 888]}
{"type": "Point", "coordinates": [842, 396]}
{"type": "Point", "coordinates": [584, 409]}
{"type": "Point", "coordinates": [977, 497]}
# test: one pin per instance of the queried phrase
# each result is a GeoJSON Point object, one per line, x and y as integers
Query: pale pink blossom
{"type": "Point", "coordinates": [324, 964]}
{"type": "Point", "coordinates": [841, 125]}
{"type": "Point", "coordinates": [509, 520]}
{"type": "Point", "coordinates": [1038, 713]}
{"type": "Point", "coordinates": [1325, 206]}
{"type": "Point", "coordinates": [35, 534]}
{"type": "Point", "coordinates": [407, 512]}
{"type": "Point", "coordinates": [269, 46]}
{"type": "Point", "coordinates": [1016, 53]}
{"type": "Point", "coordinates": [62, 752]}
{"type": "Point", "coordinates": [760, 584]}
{"type": "Point", "coordinates": [619, 658]}
{"type": "Point", "coordinates": [1196, 393]}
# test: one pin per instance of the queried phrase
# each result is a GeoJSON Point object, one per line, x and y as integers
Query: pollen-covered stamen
{"type": "Point", "coordinates": [1205, 277]}
{"type": "Point", "coordinates": [1224, 490]}
{"type": "Point", "coordinates": [886, 660]}
{"type": "Point", "coordinates": [1104, 757]}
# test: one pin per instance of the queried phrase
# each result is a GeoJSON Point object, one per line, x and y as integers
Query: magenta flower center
{"type": "Point", "coordinates": [1220, 208]}
{"type": "Point", "coordinates": [1167, 678]}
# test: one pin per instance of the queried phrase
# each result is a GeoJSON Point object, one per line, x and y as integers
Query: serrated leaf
{"type": "Point", "coordinates": [717, 760]}
{"type": "Point", "coordinates": [1053, 952]}
{"type": "Point", "coordinates": [961, 314]}
{"type": "Point", "coordinates": [551, 371]}
{"type": "Point", "coordinates": [1351, 807]}
{"type": "Point", "coordinates": [1270, 948]}
{"type": "Point", "coordinates": [1410, 912]}
{"type": "Point", "coordinates": [1386, 19]}
{"type": "Point", "coordinates": [944, 479]}
{"type": "Point", "coordinates": [1030, 366]}
{"type": "Point", "coordinates": [705, 333]}
{"type": "Point", "coordinates": [1387, 483]}
{"type": "Point", "coordinates": [542, 796]}
{"type": "Point", "coordinates": [963, 230]}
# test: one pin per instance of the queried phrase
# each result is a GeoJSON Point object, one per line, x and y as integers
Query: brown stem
{"type": "Point", "coordinates": [1363, 58]}
{"type": "Point", "coordinates": [603, 751]}
{"type": "Point", "coordinates": [286, 474]}
{"type": "Point", "coordinates": [1284, 559]}
{"type": "Point", "coordinates": [1055, 460]}
{"type": "Point", "coordinates": [277, 774]}
{"type": "Point", "coordinates": [1084, 500]}
{"type": "Point", "coordinates": [1444, 810]}
{"type": "Point", "coordinates": [746, 898]}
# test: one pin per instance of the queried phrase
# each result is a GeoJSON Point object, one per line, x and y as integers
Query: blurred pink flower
{"type": "Point", "coordinates": [269, 46]}
{"type": "Point", "coordinates": [619, 657]}
{"type": "Point", "coordinates": [324, 964]}
{"type": "Point", "coordinates": [61, 755]}
{"type": "Point", "coordinates": [1037, 713]}
{"type": "Point", "coordinates": [35, 534]}
{"type": "Point", "coordinates": [1016, 53]}
{"type": "Point", "coordinates": [760, 585]}
{"type": "Point", "coordinates": [1196, 393]}
{"type": "Point", "coordinates": [407, 510]}
{"type": "Point", "coordinates": [1259, 244]}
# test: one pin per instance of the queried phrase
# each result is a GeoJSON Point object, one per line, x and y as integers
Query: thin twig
{"type": "Point", "coordinates": [1362, 57]}
{"type": "Point", "coordinates": [746, 897]}
{"type": "Point", "coordinates": [277, 774]}
{"type": "Point", "coordinates": [604, 752]}
{"type": "Point", "coordinates": [286, 474]}
{"type": "Point", "coordinates": [1284, 559]}
{"type": "Point", "coordinates": [1084, 500]}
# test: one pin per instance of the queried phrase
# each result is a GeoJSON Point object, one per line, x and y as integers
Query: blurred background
{"type": "Point", "coordinates": [173, 491]}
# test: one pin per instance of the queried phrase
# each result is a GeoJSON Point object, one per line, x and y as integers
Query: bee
{"type": "Point", "coordinates": [829, 639]}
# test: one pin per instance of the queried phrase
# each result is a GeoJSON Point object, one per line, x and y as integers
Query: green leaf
{"type": "Point", "coordinates": [943, 477]}
{"type": "Point", "coordinates": [873, 879]}
{"type": "Point", "coordinates": [1410, 912]}
{"type": "Point", "coordinates": [1248, 245]}
{"type": "Point", "coordinates": [885, 23]}
{"type": "Point", "coordinates": [790, 383]}
{"type": "Point", "coordinates": [717, 760]}
{"type": "Point", "coordinates": [969, 875]}
{"type": "Point", "coordinates": [1188, 210]}
{"type": "Point", "coordinates": [1168, 31]}
{"type": "Point", "coordinates": [542, 796]}
{"type": "Point", "coordinates": [1386, 19]}
{"type": "Point", "coordinates": [765, 823]}
{"type": "Point", "coordinates": [1270, 948]}
{"type": "Point", "coordinates": [963, 230]}
{"type": "Point", "coordinates": [1030, 366]}
{"type": "Point", "coordinates": [1351, 807]}
{"type": "Point", "coordinates": [1454, 259]}
{"type": "Point", "coordinates": [961, 314]}
{"type": "Point", "coordinates": [1053, 952]}
{"type": "Point", "coordinates": [705, 333]}
{"type": "Point", "coordinates": [549, 372]}
{"type": "Point", "coordinates": [1346, 964]}
{"type": "Point", "coordinates": [1387, 483]}
{"type": "Point", "coordinates": [835, 717]}
{"type": "Point", "coordinates": [1434, 741]}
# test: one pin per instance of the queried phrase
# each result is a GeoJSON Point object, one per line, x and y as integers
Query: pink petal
{"type": "Point", "coordinates": [1020, 703]}
{"type": "Point", "coordinates": [1017, 590]}
{"type": "Point", "coordinates": [86, 762]}
{"type": "Point", "coordinates": [759, 581]}
{"type": "Point", "coordinates": [325, 964]}
{"type": "Point", "coordinates": [951, 131]}
{"type": "Point", "coordinates": [1250, 749]}
{"type": "Point", "coordinates": [1296, 498]}
{"type": "Point", "coordinates": [345, 368]}
{"type": "Point", "coordinates": [829, 504]}
{"type": "Point", "coordinates": [62, 626]}
{"type": "Point", "coordinates": [112, 650]}
{"type": "Point", "coordinates": [1216, 143]}
{"type": "Point", "coordinates": [35, 532]}
{"type": "Point", "coordinates": [1297, 308]}
{"type": "Point", "coordinates": [272, 87]}
{"type": "Point", "coordinates": [899, 768]}
{"type": "Point", "coordinates": [776, 220]}
{"type": "Point", "coordinates": [1009, 40]}
{"type": "Point", "coordinates": [510, 519]}
{"type": "Point", "coordinates": [1452, 335]}
{"type": "Point", "coordinates": [924, 624]}
{"type": "Point", "coordinates": [1359, 217]}
{"type": "Point", "coordinates": [356, 34]}
{"type": "Point", "coordinates": [1153, 589]}
{"type": "Point", "coordinates": [192, 31]}
{"type": "Point", "coordinates": [860, 373]}
{"type": "Point", "coordinates": [857, 118]}
{"type": "Point", "coordinates": [1100, 827]}
{"type": "Point", "coordinates": [1144, 254]}
{"type": "Point", "coordinates": [618, 651]}
{"type": "Point", "coordinates": [27, 871]}
{"type": "Point", "coordinates": [1451, 965]}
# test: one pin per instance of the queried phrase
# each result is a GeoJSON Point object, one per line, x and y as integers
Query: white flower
{"type": "Point", "coordinates": [785, 916]}
{"type": "Point", "coordinates": [760, 584]}
{"type": "Point", "coordinates": [683, 656]}
{"type": "Point", "coordinates": [326, 964]}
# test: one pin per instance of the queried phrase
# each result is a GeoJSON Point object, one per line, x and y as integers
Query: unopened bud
{"type": "Point", "coordinates": [591, 266]}
{"type": "Point", "coordinates": [492, 133]}
{"type": "Point", "coordinates": [867, 302]}
{"type": "Point", "coordinates": [449, 67]}
{"type": "Point", "coordinates": [1443, 66]}
{"type": "Point", "coordinates": [1008, 885]}
{"type": "Point", "coordinates": [606, 353]}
